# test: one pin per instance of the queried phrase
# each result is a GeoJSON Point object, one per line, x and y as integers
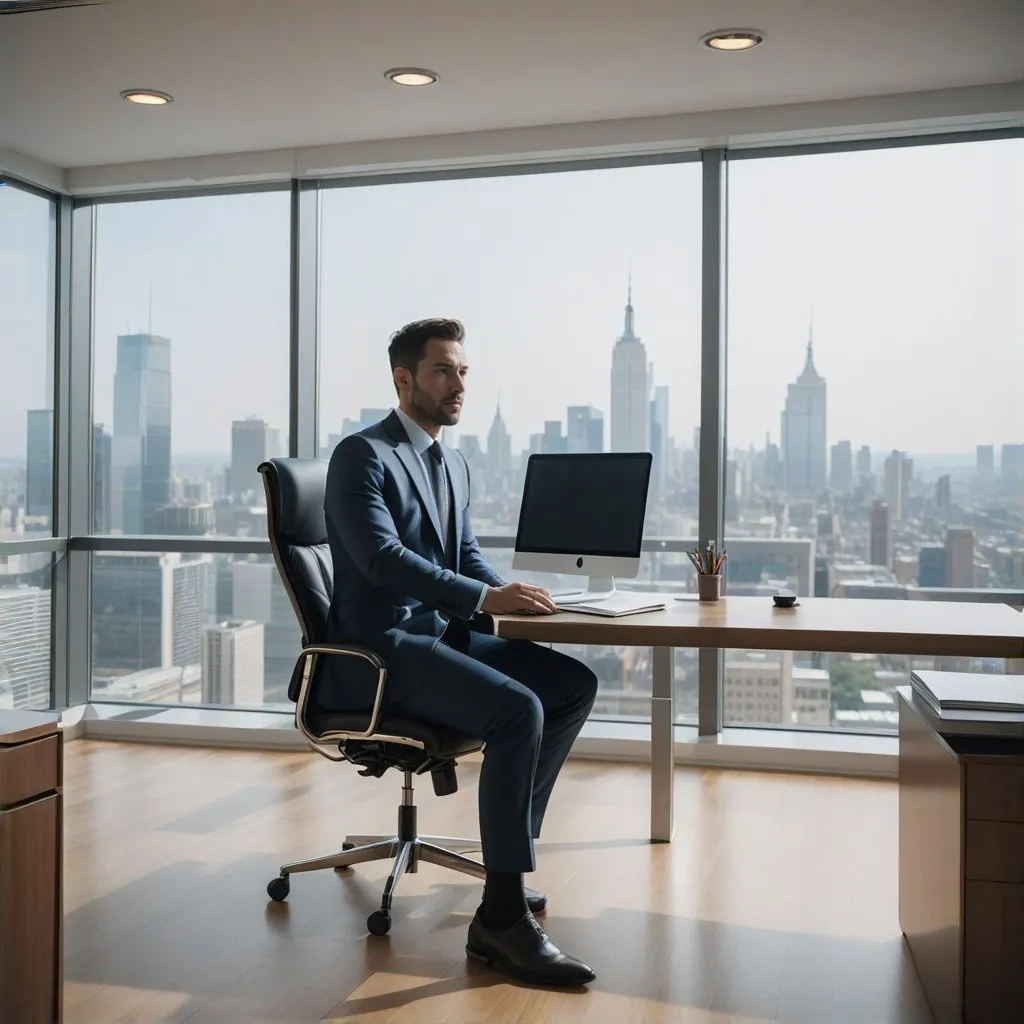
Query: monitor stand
{"type": "Point", "coordinates": [599, 588]}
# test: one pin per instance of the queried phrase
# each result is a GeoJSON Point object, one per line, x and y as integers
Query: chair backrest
{"type": "Point", "coordinates": [298, 537]}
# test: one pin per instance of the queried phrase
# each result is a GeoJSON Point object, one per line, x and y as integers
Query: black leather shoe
{"type": "Point", "coordinates": [525, 952]}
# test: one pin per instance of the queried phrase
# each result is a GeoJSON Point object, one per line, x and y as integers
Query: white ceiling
{"type": "Point", "coordinates": [268, 74]}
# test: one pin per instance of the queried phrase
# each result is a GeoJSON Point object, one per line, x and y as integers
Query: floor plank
{"type": "Point", "coordinates": [775, 902]}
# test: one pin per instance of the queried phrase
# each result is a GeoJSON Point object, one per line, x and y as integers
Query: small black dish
{"type": "Point", "coordinates": [784, 599]}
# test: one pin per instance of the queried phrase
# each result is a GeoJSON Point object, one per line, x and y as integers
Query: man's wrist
{"type": "Point", "coordinates": [484, 591]}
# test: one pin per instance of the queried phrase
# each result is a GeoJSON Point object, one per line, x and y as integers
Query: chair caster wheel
{"type": "Point", "coordinates": [379, 922]}
{"type": "Point", "coordinates": [278, 888]}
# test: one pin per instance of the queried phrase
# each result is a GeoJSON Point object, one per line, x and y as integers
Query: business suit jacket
{"type": "Point", "coordinates": [393, 583]}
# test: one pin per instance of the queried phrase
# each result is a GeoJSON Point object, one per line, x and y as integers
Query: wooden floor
{"type": "Point", "coordinates": [776, 902]}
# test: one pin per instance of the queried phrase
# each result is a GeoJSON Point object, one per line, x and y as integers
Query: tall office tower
{"type": "Point", "coordinates": [499, 449]}
{"type": "Point", "coordinates": [140, 452]}
{"type": "Point", "coordinates": [184, 519]}
{"type": "Point", "coordinates": [841, 470]}
{"type": "Point", "coordinates": [252, 442]}
{"type": "Point", "coordinates": [898, 470]}
{"type": "Point", "coordinates": [631, 414]}
{"type": "Point", "coordinates": [931, 566]}
{"type": "Point", "coordinates": [585, 428]}
{"type": "Point", "coordinates": [659, 436]}
{"type": "Point", "coordinates": [149, 608]}
{"type": "Point", "coordinates": [259, 595]}
{"type": "Point", "coordinates": [804, 431]}
{"type": "Point", "coordinates": [39, 471]}
{"type": "Point", "coordinates": [864, 467]}
{"type": "Point", "coordinates": [100, 479]}
{"type": "Point", "coordinates": [233, 663]}
{"type": "Point", "coordinates": [1011, 469]}
{"type": "Point", "coordinates": [985, 462]}
{"type": "Point", "coordinates": [25, 647]}
{"type": "Point", "coordinates": [881, 534]}
{"type": "Point", "coordinates": [959, 556]}
{"type": "Point", "coordinates": [772, 466]}
{"type": "Point", "coordinates": [553, 439]}
{"type": "Point", "coordinates": [944, 495]}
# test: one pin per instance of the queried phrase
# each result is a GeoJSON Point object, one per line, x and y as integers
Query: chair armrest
{"type": "Point", "coordinates": [306, 663]}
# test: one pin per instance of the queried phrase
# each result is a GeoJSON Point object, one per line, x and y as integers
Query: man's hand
{"type": "Point", "coordinates": [518, 599]}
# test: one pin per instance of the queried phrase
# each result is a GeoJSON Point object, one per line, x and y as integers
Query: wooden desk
{"type": "Point", "coordinates": [937, 628]}
{"type": "Point", "coordinates": [962, 868]}
{"type": "Point", "coordinates": [31, 908]}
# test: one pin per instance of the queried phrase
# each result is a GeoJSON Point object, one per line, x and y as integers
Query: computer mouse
{"type": "Point", "coordinates": [784, 599]}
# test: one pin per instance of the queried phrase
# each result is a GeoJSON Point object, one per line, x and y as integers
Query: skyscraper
{"type": "Point", "coordinates": [841, 471]}
{"type": "Point", "coordinates": [141, 445]}
{"type": "Point", "coordinates": [881, 534]}
{"type": "Point", "coordinates": [259, 595]}
{"type": "Point", "coordinates": [233, 663]}
{"type": "Point", "coordinates": [252, 442]}
{"type": "Point", "coordinates": [1011, 469]}
{"type": "Point", "coordinates": [659, 436]}
{"type": "Point", "coordinates": [931, 566]}
{"type": "Point", "coordinates": [39, 473]}
{"type": "Point", "coordinates": [898, 471]}
{"type": "Point", "coordinates": [100, 479]}
{"type": "Point", "coordinates": [944, 494]}
{"type": "Point", "coordinates": [631, 414]}
{"type": "Point", "coordinates": [499, 449]}
{"type": "Point", "coordinates": [585, 429]}
{"type": "Point", "coordinates": [25, 646]}
{"type": "Point", "coordinates": [804, 431]}
{"type": "Point", "coordinates": [959, 556]}
{"type": "Point", "coordinates": [985, 463]}
{"type": "Point", "coordinates": [554, 441]}
{"type": "Point", "coordinates": [149, 608]}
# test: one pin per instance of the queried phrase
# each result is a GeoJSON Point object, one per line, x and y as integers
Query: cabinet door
{"type": "Point", "coordinates": [993, 952]}
{"type": "Point", "coordinates": [29, 904]}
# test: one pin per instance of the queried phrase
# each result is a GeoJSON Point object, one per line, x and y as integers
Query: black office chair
{"type": "Point", "coordinates": [374, 740]}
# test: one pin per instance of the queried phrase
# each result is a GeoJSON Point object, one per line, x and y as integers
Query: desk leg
{"type": "Point", "coordinates": [662, 745]}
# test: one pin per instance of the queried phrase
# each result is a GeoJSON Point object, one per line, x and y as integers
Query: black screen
{"type": "Point", "coordinates": [585, 504]}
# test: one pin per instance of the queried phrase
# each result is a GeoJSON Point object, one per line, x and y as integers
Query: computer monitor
{"type": "Point", "coordinates": [583, 514]}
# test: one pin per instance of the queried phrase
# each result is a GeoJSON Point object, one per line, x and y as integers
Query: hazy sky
{"type": "Point", "coordinates": [912, 261]}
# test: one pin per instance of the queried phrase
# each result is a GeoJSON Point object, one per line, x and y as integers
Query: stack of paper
{"type": "Point", "coordinates": [965, 691]}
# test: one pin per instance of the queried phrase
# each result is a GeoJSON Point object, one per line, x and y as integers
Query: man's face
{"type": "Point", "coordinates": [440, 382]}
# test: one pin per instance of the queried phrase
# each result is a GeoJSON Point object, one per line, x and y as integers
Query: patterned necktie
{"type": "Point", "coordinates": [439, 485]}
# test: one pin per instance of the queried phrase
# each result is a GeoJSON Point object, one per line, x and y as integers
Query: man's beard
{"type": "Point", "coordinates": [433, 411]}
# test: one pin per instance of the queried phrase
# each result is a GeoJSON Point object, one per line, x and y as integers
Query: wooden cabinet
{"type": "Point", "coordinates": [962, 869]}
{"type": "Point", "coordinates": [30, 868]}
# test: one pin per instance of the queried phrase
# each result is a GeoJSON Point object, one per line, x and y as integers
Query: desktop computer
{"type": "Point", "coordinates": [583, 515]}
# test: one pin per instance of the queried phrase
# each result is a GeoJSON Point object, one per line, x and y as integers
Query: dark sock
{"type": "Point", "coordinates": [504, 899]}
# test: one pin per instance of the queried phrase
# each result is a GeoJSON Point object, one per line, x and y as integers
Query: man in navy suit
{"type": "Point", "coordinates": [409, 577]}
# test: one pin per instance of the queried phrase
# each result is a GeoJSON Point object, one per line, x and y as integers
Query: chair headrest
{"type": "Point", "coordinates": [295, 496]}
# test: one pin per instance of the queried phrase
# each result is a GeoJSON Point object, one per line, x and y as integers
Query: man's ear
{"type": "Point", "coordinates": [402, 379]}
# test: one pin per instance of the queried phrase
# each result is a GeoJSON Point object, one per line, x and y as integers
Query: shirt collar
{"type": "Point", "coordinates": [418, 437]}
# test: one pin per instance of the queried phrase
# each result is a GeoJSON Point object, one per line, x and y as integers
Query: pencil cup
{"type": "Point", "coordinates": [709, 588]}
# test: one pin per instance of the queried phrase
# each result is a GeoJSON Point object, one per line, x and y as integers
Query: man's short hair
{"type": "Point", "coordinates": [407, 345]}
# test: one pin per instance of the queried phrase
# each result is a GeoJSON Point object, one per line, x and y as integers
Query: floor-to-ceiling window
{"type": "Point", "coordinates": [580, 294]}
{"type": "Point", "coordinates": [875, 425]}
{"type": "Point", "coordinates": [190, 394]}
{"type": "Point", "coordinates": [27, 317]}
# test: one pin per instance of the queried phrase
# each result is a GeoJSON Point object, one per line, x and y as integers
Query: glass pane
{"type": "Point", "coordinates": [874, 416]}
{"type": "Point", "coordinates": [26, 615]}
{"type": "Point", "coordinates": [171, 628]}
{"type": "Point", "coordinates": [580, 294]}
{"type": "Point", "coordinates": [190, 362]}
{"type": "Point", "coordinates": [27, 304]}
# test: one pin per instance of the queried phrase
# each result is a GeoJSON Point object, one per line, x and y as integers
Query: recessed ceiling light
{"type": "Point", "coordinates": [733, 39]}
{"type": "Point", "coordinates": [147, 97]}
{"type": "Point", "coordinates": [411, 76]}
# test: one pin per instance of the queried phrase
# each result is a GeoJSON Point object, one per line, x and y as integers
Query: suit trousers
{"type": "Point", "coordinates": [526, 702]}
